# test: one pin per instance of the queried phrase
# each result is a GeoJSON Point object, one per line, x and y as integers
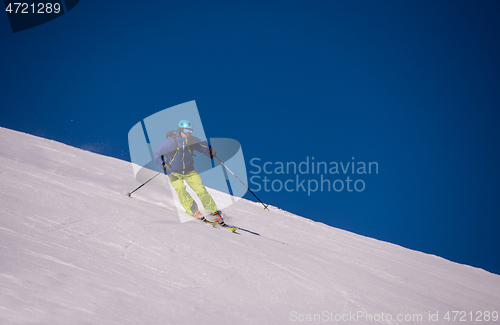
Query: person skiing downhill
{"type": "Point", "coordinates": [175, 155]}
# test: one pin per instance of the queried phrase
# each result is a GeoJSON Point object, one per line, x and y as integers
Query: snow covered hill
{"type": "Point", "coordinates": [75, 250]}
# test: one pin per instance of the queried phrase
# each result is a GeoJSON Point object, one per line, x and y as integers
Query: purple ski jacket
{"type": "Point", "coordinates": [181, 160]}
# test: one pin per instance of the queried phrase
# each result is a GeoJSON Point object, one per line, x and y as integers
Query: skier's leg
{"type": "Point", "coordinates": [186, 200]}
{"type": "Point", "coordinates": [194, 181]}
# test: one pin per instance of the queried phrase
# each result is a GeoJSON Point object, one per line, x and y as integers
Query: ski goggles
{"type": "Point", "coordinates": [187, 131]}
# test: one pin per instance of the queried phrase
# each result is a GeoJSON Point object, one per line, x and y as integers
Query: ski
{"type": "Point", "coordinates": [215, 223]}
{"type": "Point", "coordinates": [208, 222]}
{"type": "Point", "coordinates": [232, 228]}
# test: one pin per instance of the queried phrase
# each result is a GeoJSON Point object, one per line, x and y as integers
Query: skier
{"type": "Point", "coordinates": [175, 155]}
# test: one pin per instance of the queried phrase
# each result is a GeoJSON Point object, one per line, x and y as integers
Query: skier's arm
{"type": "Point", "coordinates": [163, 149]}
{"type": "Point", "coordinates": [205, 148]}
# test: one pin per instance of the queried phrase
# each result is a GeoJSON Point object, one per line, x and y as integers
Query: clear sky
{"type": "Point", "coordinates": [413, 86]}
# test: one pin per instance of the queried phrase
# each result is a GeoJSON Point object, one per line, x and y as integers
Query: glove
{"type": "Point", "coordinates": [212, 152]}
{"type": "Point", "coordinates": [165, 167]}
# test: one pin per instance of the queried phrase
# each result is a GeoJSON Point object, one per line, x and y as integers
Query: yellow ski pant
{"type": "Point", "coordinates": [193, 179]}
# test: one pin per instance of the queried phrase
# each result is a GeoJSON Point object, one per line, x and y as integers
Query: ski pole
{"type": "Point", "coordinates": [129, 194]}
{"type": "Point", "coordinates": [164, 171]}
{"type": "Point", "coordinates": [265, 206]}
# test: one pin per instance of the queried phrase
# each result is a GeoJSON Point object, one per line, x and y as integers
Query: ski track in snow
{"type": "Point", "coordinates": [75, 250]}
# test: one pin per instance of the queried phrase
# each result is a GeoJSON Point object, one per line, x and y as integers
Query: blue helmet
{"type": "Point", "coordinates": [185, 124]}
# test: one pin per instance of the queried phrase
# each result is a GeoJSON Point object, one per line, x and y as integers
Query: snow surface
{"type": "Point", "coordinates": [74, 249]}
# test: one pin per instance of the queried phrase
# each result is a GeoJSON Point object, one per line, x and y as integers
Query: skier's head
{"type": "Point", "coordinates": [185, 128]}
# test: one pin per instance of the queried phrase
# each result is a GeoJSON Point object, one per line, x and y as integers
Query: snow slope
{"type": "Point", "coordinates": [75, 250]}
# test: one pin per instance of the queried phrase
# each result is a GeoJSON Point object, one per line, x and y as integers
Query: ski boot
{"type": "Point", "coordinates": [218, 218]}
{"type": "Point", "coordinates": [197, 214]}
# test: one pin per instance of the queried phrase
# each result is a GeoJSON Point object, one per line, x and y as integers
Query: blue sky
{"type": "Point", "coordinates": [413, 86]}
